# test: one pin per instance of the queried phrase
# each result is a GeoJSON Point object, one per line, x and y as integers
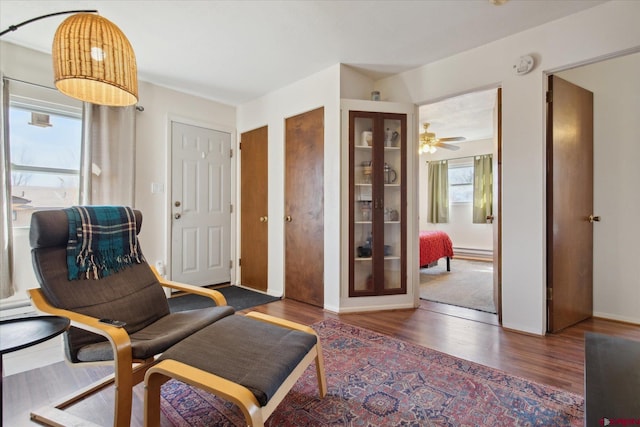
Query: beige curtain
{"type": "Point", "coordinates": [438, 207]}
{"type": "Point", "coordinates": [108, 155]}
{"type": "Point", "coordinates": [7, 288]}
{"type": "Point", "coordinates": [482, 188]}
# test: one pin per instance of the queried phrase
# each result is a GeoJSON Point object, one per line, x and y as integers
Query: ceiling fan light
{"type": "Point", "coordinates": [93, 61]}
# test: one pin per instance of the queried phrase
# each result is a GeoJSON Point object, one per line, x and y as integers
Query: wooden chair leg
{"type": "Point", "coordinates": [322, 379]}
{"type": "Point", "coordinates": [152, 386]}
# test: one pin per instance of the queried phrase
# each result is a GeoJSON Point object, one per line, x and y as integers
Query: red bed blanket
{"type": "Point", "coordinates": [433, 246]}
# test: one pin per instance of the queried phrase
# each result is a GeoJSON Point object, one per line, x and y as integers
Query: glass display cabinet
{"type": "Point", "coordinates": [377, 209]}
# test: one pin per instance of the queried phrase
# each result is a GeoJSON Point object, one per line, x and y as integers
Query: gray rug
{"type": "Point", "coordinates": [237, 297]}
{"type": "Point", "coordinates": [469, 284]}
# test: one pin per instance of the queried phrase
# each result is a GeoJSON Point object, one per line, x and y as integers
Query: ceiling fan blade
{"type": "Point", "coordinates": [453, 138]}
{"type": "Point", "coordinates": [446, 146]}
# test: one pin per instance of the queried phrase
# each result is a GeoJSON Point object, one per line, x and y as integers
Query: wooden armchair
{"type": "Point", "coordinates": [133, 295]}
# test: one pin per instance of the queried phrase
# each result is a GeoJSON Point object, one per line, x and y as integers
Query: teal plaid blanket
{"type": "Point", "coordinates": [102, 240]}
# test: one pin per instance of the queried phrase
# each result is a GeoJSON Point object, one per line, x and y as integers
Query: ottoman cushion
{"type": "Point", "coordinates": [257, 355]}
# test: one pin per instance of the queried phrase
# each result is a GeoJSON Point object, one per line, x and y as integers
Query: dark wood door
{"type": "Point", "coordinates": [304, 208]}
{"type": "Point", "coordinates": [254, 193]}
{"type": "Point", "coordinates": [569, 204]}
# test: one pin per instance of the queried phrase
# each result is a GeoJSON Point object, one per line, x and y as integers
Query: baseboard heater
{"type": "Point", "coordinates": [472, 253]}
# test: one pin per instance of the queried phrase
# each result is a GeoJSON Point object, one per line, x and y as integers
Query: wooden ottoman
{"type": "Point", "coordinates": [252, 361]}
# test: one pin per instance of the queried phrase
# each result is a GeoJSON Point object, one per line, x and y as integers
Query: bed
{"type": "Point", "coordinates": [433, 246]}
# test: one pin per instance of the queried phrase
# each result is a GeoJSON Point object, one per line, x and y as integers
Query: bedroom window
{"type": "Point", "coordinates": [460, 183]}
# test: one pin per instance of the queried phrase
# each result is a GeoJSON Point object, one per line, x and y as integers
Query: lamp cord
{"type": "Point", "coordinates": [15, 27]}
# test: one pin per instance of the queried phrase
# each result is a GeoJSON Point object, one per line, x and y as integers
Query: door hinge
{"type": "Point", "coordinates": [240, 146]}
{"type": "Point", "coordinates": [549, 96]}
{"type": "Point", "coordinates": [231, 152]}
{"type": "Point", "coordinates": [239, 262]}
{"type": "Point", "coordinates": [231, 208]}
{"type": "Point", "coordinates": [230, 264]}
{"type": "Point", "coordinates": [549, 294]}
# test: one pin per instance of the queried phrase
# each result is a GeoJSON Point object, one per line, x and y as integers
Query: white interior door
{"type": "Point", "coordinates": [200, 205]}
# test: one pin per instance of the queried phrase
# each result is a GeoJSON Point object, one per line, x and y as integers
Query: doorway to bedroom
{"type": "Point", "coordinates": [459, 205]}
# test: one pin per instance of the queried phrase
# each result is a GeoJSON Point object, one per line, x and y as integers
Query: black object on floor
{"type": "Point", "coordinates": [237, 297]}
{"type": "Point", "coordinates": [612, 380]}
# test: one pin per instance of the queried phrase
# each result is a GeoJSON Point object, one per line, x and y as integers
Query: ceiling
{"type": "Point", "coordinates": [236, 51]}
{"type": "Point", "coordinates": [469, 115]}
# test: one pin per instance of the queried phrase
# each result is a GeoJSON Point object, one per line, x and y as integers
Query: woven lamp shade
{"type": "Point", "coordinates": [93, 61]}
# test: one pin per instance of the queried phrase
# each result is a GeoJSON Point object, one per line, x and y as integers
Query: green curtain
{"type": "Point", "coordinates": [438, 210]}
{"type": "Point", "coordinates": [482, 188]}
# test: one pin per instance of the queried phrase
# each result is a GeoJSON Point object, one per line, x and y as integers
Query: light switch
{"type": "Point", "coordinates": [157, 188]}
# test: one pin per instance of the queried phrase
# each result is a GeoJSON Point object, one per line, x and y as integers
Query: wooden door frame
{"type": "Point", "coordinates": [166, 211]}
{"type": "Point", "coordinates": [497, 251]}
{"type": "Point", "coordinates": [497, 241]}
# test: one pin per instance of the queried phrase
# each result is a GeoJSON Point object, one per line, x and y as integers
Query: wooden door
{"type": "Point", "coordinates": [200, 205]}
{"type": "Point", "coordinates": [569, 204]}
{"type": "Point", "coordinates": [304, 207]}
{"type": "Point", "coordinates": [254, 191]}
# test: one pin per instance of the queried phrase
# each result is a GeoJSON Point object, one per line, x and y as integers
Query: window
{"type": "Point", "coordinates": [45, 144]}
{"type": "Point", "coordinates": [461, 184]}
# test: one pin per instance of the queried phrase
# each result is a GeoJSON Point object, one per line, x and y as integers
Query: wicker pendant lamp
{"type": "Point", "coordinates": [93, 61]}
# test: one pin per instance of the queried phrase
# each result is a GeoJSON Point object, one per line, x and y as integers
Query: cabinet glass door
{"type": "Point", "coordinates": [362, 212]}
{"type": "Point", "coordinates": [392, 203]}
{"type": "Point", "coordinates": [377, 227]}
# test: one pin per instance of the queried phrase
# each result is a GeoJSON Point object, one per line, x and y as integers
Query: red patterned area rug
{"type": "Point", "coordinates": [376, 380]}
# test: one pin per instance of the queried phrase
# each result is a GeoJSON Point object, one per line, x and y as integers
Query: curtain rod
{"type": "Point", "coordinates": [463, 157]}
{"type": "Point", "coordinates": [13, 79]}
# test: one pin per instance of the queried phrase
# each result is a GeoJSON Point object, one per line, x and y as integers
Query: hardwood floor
{"type": "Point", "coordinates": [557, 359]}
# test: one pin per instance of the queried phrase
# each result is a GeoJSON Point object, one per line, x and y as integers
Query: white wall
{"type": "Point", "coordinates": [463, 232]}
{"type": "Point", "coordinates": [318, 90]}
{"type": "Point", "coordinates": [584, 37]}
{"type": "Point", "coordinates": [616, 88]}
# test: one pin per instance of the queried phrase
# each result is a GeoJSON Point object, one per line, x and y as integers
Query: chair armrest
{"type": "Point", "coordinates": [213, 294]}
{"type": "Point", "coordinates": [118, 337]}
{"type": "Point", "coordinates": [280, 322]}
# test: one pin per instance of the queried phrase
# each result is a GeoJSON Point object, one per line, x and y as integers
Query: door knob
{"type": "Point", "coordinates": [593, 218]}
{"type": "Point", "coordinates": [177, 216]}
{"type": "Point", "coordinates": [288, 218]}
{"type": "Point", "coordinates": [263, 219]}
{"type": "Point", "coordinates": [490, 219]}
{"type": "Point", "coordinates": [177, 203]}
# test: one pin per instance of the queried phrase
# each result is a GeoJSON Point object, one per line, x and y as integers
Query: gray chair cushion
{"type": "Point", "coordinates": [160, 335]}
{"type": "Point", "coordinates": [257, 355]}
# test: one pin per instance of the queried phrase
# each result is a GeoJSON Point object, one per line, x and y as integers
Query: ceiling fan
{"type": "Point", "coordinates": [429, 142]}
